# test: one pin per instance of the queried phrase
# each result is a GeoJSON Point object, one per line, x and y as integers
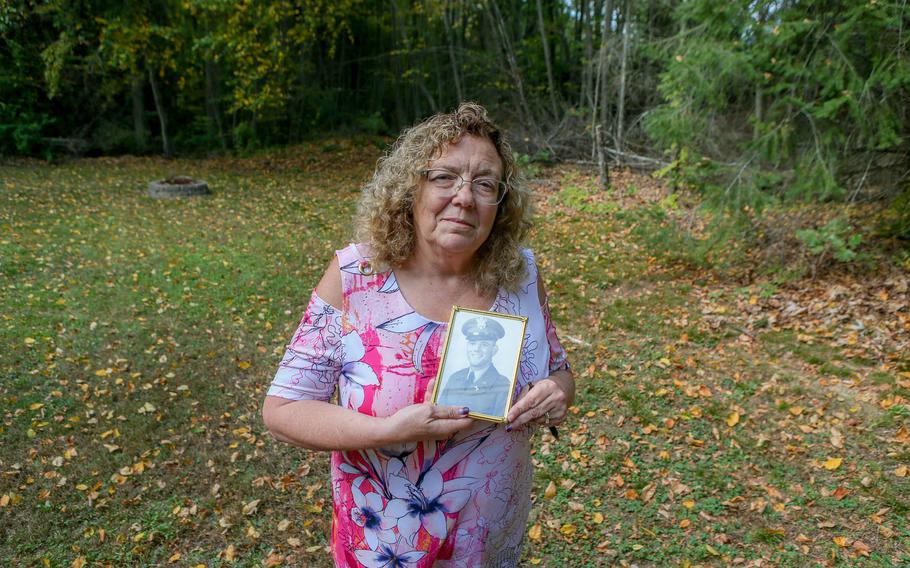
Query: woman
{"type": "Point", "coordinates": [441, 223]}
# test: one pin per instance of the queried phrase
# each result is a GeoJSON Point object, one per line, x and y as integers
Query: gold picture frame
{"type": "Point", "coordinates": [478, 344]}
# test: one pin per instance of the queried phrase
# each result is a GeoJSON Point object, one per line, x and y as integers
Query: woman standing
{"type": "Point", "coordinates": [442, 223]}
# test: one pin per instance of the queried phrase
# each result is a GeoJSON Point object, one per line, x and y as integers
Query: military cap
{"type": "Point", "coordinates": [482, 328]}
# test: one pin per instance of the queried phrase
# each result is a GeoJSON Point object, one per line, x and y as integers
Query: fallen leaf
{"type": "Point", "coordinates": [550, 491]}
{"type": "Point", "coordinates": [251, 507]}
{"type": "Point", "coordinates": [837, 439]}
{"type": "Point", "coordinates": [861, 547]}
{"type": "Point", "coordinates": [833, 463]}
{"type": "Point", "coordinates": [79, 562]}
{"type": "Point", "coordinates": [648, 492]}
{"type": "Point", "coordinates": [534, 532]}
{"type": "Point", "coordinates": [901, 471]}
{"type": "Point", "coordinates": [840, 541]}
{"type": "Point", "coordinates": [733, 419]}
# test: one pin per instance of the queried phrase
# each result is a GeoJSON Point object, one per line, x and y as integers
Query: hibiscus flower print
{"type": "Point", "coordinates": [425, 504]}
{"type": "Point", "coordinates": [389, 556]}
{"type": "Point", "coordinates": [369, 516]}
{"type": "Point", "coordinates": [357, 373]}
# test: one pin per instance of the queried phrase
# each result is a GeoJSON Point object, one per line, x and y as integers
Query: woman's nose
{"type": "Point", "coordinates": [464, 195]}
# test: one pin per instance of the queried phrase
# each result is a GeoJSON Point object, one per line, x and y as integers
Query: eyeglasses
{"type": "Point", "coordinates": [445, 183]}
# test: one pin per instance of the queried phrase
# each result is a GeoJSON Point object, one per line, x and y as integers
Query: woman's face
{"type": "Point", "coordinates": [458, 224]}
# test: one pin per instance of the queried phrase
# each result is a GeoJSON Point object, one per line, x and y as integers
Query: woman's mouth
{"type": "Point", "coordinates": [461, 222]}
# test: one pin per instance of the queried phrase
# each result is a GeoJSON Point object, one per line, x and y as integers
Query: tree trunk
{"type": "Point", "coordinates": [397, 66]}
{"type": "Point", "coordinates": [587, 72]}
{"type": "Point", "coordinates": [621, 105]}
{"type": "Point", "coordinates": [162, 116]}
{"type": "Point", "coordinates": [212, 95]}
{"type": "Point", "coordinates": [599, 113]}
{"type": "Point", "coordinates": [140, 130]}
{"type": "Point", "coordinates": [756, 130]}
{"type": "Point", "coordinates": [500, 26]}
{"type": "Point", "coordinates": [447, 24]}
{"type": "Point", "coordinates": [602, 167]}
{"type": "Point", "coordinates": [546, 56]}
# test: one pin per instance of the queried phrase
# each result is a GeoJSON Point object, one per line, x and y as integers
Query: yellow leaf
{"type": "Point", "coordinates": [243, 364]}
{"type": "Point", "coordinates": [79, 562]}
{"type": "Point", "coordinates": [833, 463]}
{"type": "Point", "coordinates": [534, 532]}
{"type": "Point", "coordinates": [684, 523]}
{"type": "Point", "coordinates": [550, 491]}
{"type": "Point", "coordinates": [688, 503]}
{"type": "Point", "coordinates": [174, 557]}
{"type": "Point", "coordinates": [229, 553]}
{"type": "Point", "coordinates": [567, 529]}
{"type": "Point", "coordinates": [598, 518]}
{"type": "Point", "coordinates": [840, 541]}
{"type": "Point", "coordinates": [733, 419]}
{"type": "Point", "coordinates": [901, 471]}
{"type": "Point", "coordinates": [36, 406]}
{"type": "Point", "coordinates": [4, 501]}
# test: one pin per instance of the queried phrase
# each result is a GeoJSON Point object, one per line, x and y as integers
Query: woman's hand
{"type": "Point", "coordinates": [427, 421]}
{"type": "Point", "coordinates": [546, 403]}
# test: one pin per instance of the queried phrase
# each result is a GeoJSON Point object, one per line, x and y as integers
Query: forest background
{"type": "Point", "coordinates": [751, 103]}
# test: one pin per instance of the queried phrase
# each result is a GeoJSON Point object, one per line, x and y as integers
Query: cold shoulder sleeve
{"type": "Point", "coordinates": [557, 358]}
{"type": "Point", "coordinates": [312, 360]}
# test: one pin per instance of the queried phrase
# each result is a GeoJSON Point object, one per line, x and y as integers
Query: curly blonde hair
{"type": "Point", "coordinates": [385, 217]}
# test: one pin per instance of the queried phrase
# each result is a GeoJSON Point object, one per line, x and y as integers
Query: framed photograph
{"type": "Point", "coordinates": [480, 361]}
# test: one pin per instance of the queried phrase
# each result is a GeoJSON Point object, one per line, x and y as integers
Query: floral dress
{"type": "Point", "coordinates": [462, 502]}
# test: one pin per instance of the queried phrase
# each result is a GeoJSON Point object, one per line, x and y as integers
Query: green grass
{"type": "Point", "coordinates": [138, 338]}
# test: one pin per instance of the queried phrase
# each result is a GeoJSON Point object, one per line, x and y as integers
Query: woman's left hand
{"type": "Point", "coordinates": [546, 403]}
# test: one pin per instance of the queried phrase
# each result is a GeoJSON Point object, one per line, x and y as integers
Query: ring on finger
{"type": "Point", "coordinates": [546, 418]}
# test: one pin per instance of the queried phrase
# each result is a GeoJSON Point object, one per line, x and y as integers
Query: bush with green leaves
{"type": "Point", "coordinates": [835, 241]}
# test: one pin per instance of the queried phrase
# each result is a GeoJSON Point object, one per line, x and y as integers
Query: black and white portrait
{"type": "Point", "coordinates": [480, 362]}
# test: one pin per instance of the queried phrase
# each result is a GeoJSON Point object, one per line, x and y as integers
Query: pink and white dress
{"type": "Point", "coordinates": [462, 502]}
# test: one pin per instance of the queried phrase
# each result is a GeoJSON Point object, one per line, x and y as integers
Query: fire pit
{"type": "Point", "coordinates": [177, 186]}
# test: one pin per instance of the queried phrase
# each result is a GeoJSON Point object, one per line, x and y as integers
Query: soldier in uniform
{"type": "Point", "coordinates": [479, 386]}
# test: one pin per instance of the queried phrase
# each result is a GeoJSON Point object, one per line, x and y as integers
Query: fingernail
{"type": "Point", "coordinates": [509, 428]}
{"type": "Point", "coordinates": [464, 410]}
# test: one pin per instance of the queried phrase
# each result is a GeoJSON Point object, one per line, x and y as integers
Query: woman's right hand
{"type": "Point", "coordinates": [427, 421]}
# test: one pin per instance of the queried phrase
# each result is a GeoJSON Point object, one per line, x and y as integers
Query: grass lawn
{"type": "Point", "coordinates": [715, 423]}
